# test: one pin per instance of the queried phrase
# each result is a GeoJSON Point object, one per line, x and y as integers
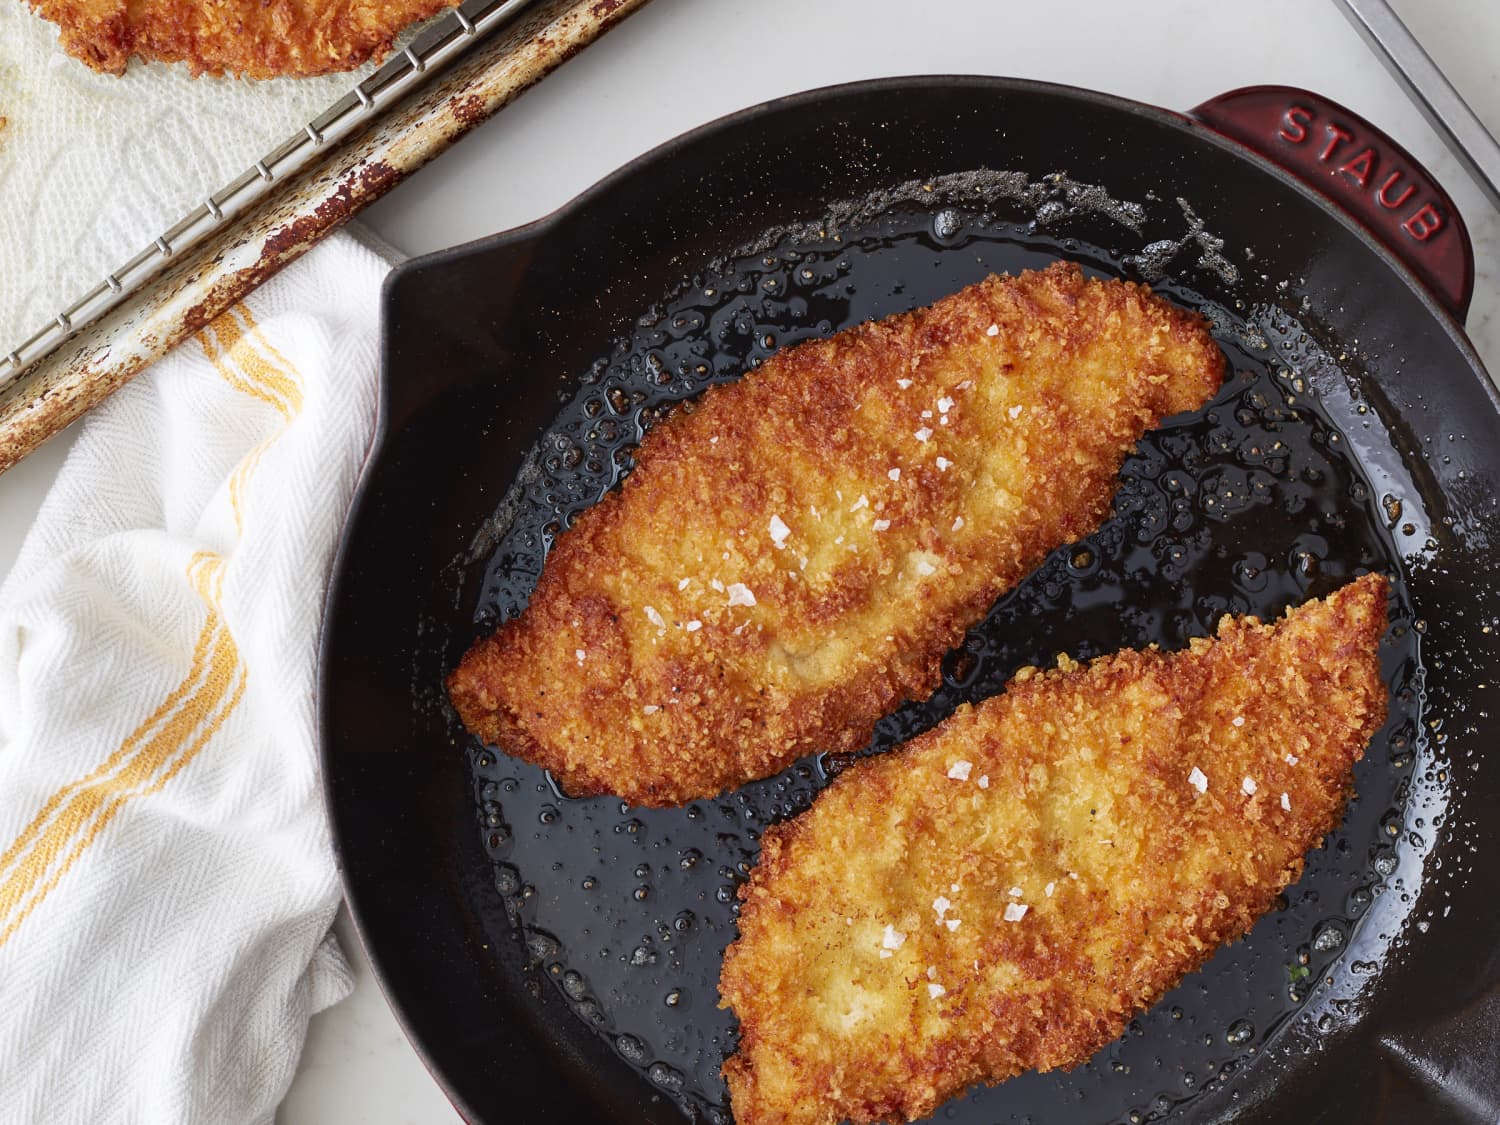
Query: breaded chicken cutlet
{"type": "Point", "coordinates": [256, 39]}
{"type": "Point", "coordinates": [791, 559]}
{"type": "Point", "coordinates": [1009, 889]}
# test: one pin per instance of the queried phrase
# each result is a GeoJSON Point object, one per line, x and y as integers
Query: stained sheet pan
{"type": "Point", "coordinates": [388, 124]}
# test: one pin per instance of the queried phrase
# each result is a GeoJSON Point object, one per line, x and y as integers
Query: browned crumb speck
{"type": "Point", "coordinates": [1008, 890]}
{"type": "Point", "coordinates": [254, 38]}
{"type": "Point", "coordinates": [791, 559]}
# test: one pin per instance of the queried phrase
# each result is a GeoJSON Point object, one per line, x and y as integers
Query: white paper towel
{"type": "Point", "coordinates": [94, 167]}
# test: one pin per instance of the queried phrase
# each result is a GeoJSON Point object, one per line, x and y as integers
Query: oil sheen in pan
{"type": "Point", "coordinates": [1253, 505]}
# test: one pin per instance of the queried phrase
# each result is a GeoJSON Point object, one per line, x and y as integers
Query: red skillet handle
{"type": "Point", "coordinates": [1370, 176]}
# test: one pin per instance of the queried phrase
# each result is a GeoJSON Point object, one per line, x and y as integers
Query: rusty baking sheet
{"type": "Point", "coordinates": [237, 250]}
{"type": "Point", "coordinates": [425, 56]}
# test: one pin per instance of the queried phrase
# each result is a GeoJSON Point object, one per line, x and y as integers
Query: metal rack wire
{"type": "Point", "coordinates": [429, 54]}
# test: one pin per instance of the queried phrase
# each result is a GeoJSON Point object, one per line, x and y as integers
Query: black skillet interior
{"type": "Point", "coordinates": [556, 959]}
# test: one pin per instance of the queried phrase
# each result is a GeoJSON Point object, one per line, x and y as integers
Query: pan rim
{"type": "Point", "coordinates": [1178, 120]}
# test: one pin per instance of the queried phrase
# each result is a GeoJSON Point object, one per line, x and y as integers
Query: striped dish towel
{"type": "Point", "coordinates": [166, 878]}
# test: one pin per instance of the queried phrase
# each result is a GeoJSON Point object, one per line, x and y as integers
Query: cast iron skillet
{"type": "Point", "coordinates": [554, 960]}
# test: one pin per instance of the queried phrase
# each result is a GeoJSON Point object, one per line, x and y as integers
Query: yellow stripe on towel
{"type": "Point", "coordinates": [40, 857]}
{"type": "Point", "coordinates": [151, 755]}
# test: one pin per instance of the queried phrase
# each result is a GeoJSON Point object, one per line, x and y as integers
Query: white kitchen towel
{"type": "Point", "coordinates": [166, 877]}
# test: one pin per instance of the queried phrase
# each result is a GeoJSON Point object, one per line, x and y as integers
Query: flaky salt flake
{"type": "Point", "coordinates": [984, 781]}
{"type": "Point", "coordinates": [1286, 802]}
{"type": "Point", "coordinates": [1049, 888]}
{"type": "Point", "coordinates": [885, 953]}
{"type": "Point", "coordinates": [903, 383]}
{"type": "Point", "coordinates": [924, 568]}
{"type": "Point", "coordinates": [1014, 892]}
{"type": "Point", "coordinates": [959, 770]}
{"type": "Point", "coordinates": [1238, 720]}
{"type": "Point", "coordinates": [739, 594]}
{"type": "Point", "coordinates": [779, 532]}
{"type": "Point", "coordinates": [953, 887]}
{"type": "Point", "coordinates": [1015, 411]}
{"type": "Point", "coordinates": [1198, 780]}
{"type": "Point", "coordinates": [958, 523]}
{"type": "Point", "coordinates": [1249, 786]}
{"type": "Point", "coordinates": [693, 626]}
{"type": "Point", "coordinates": [578, 652]}
{"type": "Point", "coordinates": [923, 434]}
{"type": "Point", "coordinates": [966, 384]}
{"type": "Point", "coordinates": [881, 525]}
{"type": "Point", "coordinates": [931, 972]}
{"type": "Point", "coordinates": [862, 502]}
{"type": "Point", "coordinates": [926, 414]}
{"type": "Point", "coordinates": [944, 404]}
{"type": "Point", "coordinates": [717, 585]}
{"type": "Point", "coordinates": [682, 583]}
{"type": "Point", "coordinates": [935, 990]}
{"type": "Point", "coordinates": [894, 474]}
{"type": "Point", "coordinates": [1291, 759]}
{"type": "Point", "coordinates": [893, 938]}
{"type": "Point", "coordinates": [992, 330]}
{"type": "Point", "coordinates": [1015, 911]}
{"type": "Point", "coordinates": [941, 905]}
{"type": "Point", "coordinates": [951, 923]}
{"type": "Point", "coordinates": [655, 618]}
{"type": "Point", "coordinates": [943, 463]}
{"type": "Point", "coordinates": [650, 709]}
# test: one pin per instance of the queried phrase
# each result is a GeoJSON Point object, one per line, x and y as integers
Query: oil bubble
{"type": "Point", "coordinates": [631, 1048]}
{"type": "Point", "coordinates": [643, 955]}
{"type": "Point", "coordinates": [664, 1076]}
{"type": "Point", "coordinates": [946, 225]}
{"type": "Point", "coordinates": [1329, 936]}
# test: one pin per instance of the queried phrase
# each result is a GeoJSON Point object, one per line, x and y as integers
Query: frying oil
{"type": "Point", "coordinates": [1251, 505]}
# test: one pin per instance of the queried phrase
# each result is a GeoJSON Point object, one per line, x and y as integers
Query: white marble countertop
{"type": "Point", "coordinates": [679, 63]}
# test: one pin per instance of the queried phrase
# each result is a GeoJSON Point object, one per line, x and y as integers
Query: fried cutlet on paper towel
{"type": "Point", "coordinates": [1006, 891]}
{"type": "Point", "coordinates": [275, 38]}
{"type": "Point", "coordinates": [790, 560]}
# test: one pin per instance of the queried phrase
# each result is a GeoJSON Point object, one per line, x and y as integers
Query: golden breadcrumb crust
{"type": "Point", "coordinates": [254, 38]}
{"type": "Point", "coordinates": [1072, 796]}
{"type": "Point", "coordinates": [873, 493]}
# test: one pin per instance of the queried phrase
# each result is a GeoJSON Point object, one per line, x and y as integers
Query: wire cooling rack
{"type": "Point", "coordinates": [431, 52]}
